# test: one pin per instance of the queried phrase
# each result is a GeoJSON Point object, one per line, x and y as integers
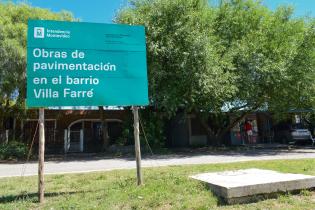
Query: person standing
{"type": "Point", "coordinates": [248, 131]}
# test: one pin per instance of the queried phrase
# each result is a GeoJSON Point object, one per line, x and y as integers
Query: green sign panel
{"type": "Point", "coordinates": [85, 64]}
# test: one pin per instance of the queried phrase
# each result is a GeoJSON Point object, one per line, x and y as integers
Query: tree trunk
{"type": "Point", "coordinates": [105, 142]}
{"type": "Point", "coordinates": [217, 137]}
{"type": "Point", "coordinates": [231, 125]}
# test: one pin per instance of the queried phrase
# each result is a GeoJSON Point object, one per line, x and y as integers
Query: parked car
{"type": "Point", "coordinates": [292, 133]}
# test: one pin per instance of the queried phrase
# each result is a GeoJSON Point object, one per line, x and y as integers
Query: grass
{"type": "Point", "coordinates": [165, 188]}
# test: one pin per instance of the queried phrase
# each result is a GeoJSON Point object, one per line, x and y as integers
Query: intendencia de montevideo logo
{"type": "Point", "coordinates": [39, 32]}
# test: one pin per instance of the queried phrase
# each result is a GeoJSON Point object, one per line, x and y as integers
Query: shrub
{"type": "Point", "coordinates": [13, 150]}
{"type": "Point", "coordinates": [151, 122]}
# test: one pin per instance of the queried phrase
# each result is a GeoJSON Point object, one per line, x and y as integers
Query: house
{"type": "Point", "coordinates": [64, 129]}
{"type": "Point", "coordinates": [185, 130]}
{"type": "Point", "coordinates": [80, 130]}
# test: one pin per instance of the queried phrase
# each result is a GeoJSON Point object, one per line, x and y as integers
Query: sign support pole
{"type": "Point", "coordinates": [41, 155]}
{"type": "Point", "coordinates": [135, 111]}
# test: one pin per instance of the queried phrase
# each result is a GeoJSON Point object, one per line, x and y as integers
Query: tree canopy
{"type": "Point", "coordinates": [237, 57]}
{"type": "Point", "coordinates": [13, 28]}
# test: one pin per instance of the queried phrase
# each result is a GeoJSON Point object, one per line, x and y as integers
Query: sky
{"type": "Point", "coordinates": [103, 11]}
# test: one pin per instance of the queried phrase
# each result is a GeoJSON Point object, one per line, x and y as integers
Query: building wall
{"type": "Point", "coordinates": [56, 121]}
{"type": "Point", "coordinates": [178, 131]}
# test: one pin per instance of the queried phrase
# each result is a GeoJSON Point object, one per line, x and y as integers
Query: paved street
{"type": "Point", "coordinates": [84, 165]}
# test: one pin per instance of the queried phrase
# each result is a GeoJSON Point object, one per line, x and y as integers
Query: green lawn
{"type": "Point", "coordinates": [165, 188]}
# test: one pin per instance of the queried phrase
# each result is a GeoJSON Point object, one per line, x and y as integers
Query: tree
{"type": "Point", "coordinates": [13, 27]}
{"type": "Point", "coordinates": [233, 59]}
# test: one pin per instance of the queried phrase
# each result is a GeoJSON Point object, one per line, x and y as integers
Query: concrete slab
{"type": "Point", "coordinates": [241, 185]}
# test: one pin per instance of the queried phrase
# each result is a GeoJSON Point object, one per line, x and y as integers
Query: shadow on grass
{"type": "Point", "coordinates": [33, 197]}
{"type": "Point", "coordinates": [220, 200]}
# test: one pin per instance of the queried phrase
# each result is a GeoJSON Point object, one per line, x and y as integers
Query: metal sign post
{"type": "Point", "coordinates": [137, 143]}
{"type": "Point", "coordinates": [41, 155]}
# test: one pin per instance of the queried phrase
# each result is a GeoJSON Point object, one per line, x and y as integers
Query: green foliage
{"type": "Point", "coordinates": [13, 150]}
{"type": "Point", "coordinates": [13, 28]}
{"type": "Point", "coordinates": [152, 127]}
{"type": "Point", "coordinates": [238, 56]}
{"type": "Point", "coordinates": [126, 137]}
{"type": "Point", "coordinates": [151, 130]}
{"type": "Point", "coordinates": [184, 61]}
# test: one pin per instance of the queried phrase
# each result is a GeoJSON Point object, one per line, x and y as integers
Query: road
{"type": "Point", "coordinates": [91, 164]}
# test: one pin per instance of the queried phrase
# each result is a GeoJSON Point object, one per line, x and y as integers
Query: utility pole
{"type": "Point", "coordinates": [135, 111]}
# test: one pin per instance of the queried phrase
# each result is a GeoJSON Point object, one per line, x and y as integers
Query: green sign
{"type": "Point", "coordinates": [85, 64]}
